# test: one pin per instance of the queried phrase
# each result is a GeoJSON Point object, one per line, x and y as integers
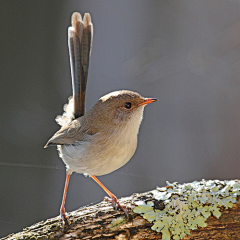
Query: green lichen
{"type": "Point", "coordinates": [187, 206]}
{"type": "Point", "coordinates": [117, 222]}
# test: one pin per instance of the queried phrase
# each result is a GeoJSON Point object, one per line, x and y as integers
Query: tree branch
{"type": "Point", "coordinates": [101, 221]}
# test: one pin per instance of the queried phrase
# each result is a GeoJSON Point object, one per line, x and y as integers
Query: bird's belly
{"type": "Point", "coordinates": [98, 157]}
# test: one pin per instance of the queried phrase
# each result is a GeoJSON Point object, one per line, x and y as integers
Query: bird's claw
{"type": "Point", "coordinates": [65, 219]}
{"type": "Point", "coordinates": [117, 205]}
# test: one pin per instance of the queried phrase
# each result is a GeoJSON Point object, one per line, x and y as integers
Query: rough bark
{"type": "Point", "coordinates": [101, 221]}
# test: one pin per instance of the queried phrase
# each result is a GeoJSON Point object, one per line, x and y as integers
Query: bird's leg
{"type": "Point", "coordinates": [62, 208]}
{"type": "Point", "coordinates": [113, 199]}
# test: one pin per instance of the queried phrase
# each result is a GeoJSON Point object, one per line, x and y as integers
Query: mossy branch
{"type": "Point", "coordinates": [211, 208]}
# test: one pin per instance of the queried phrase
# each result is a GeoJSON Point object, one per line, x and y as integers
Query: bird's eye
{"type": "Point", "coordinates": [128, 105]}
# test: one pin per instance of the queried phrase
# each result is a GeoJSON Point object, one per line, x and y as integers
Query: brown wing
{"type": "Point", "coordinates": [68, 134]}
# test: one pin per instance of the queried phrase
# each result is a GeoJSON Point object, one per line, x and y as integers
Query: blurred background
{"type": "Point", "coordinates": [185, 53]}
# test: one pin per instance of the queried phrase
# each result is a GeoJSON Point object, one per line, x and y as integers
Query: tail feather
{"type": "Point", "coordinates": [80, 36]}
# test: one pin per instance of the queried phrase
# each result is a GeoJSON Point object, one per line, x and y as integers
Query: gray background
{"type": "Point", "coordinates": [185, 53]}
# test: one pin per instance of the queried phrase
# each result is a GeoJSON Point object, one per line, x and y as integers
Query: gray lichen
{"type": "Point", "coordinates": [187, 206]}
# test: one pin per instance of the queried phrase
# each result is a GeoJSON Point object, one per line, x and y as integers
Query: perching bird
{"type": "Point", "coordinates": [105, 138]}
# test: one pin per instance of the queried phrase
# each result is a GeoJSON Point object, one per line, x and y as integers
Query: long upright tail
{"type": "Point", "coordinates": [80, 36]}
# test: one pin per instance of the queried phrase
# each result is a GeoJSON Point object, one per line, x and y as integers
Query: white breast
{"type": "Point", "coordinates": [101, 154]}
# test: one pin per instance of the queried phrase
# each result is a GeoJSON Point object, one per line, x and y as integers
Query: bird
{"type": "Point", "coordinates": [105, 138]}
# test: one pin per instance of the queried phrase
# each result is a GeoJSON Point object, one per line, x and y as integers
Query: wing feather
{"type": "Point", "coordinates": [68, 134]}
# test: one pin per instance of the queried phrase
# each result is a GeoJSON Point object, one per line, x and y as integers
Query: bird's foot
{"type": "Point", "coordinates": [117, 205]}
{"type": "Point", "coordinates": [65, 219]}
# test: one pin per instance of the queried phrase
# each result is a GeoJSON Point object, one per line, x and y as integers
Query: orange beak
{"type": "Point", "coordinates": [147, 101]}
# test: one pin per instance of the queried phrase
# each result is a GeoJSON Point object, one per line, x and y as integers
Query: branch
{"type": "Point", "coordinates": [212, 208]}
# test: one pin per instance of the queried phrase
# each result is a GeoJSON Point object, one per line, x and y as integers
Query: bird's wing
{"type": "Point", "coordinates": [80, 36]}
{"type": "Point", "coordinates": [68, 134]}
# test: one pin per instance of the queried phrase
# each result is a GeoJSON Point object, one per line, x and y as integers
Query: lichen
{"type": "Point", "coordinates": [187, 206]}
{"type": "Point", "coordinates": [117, 222]}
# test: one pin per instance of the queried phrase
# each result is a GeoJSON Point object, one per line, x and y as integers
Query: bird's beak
{"type": "Point", "coordinates": [147, 101]}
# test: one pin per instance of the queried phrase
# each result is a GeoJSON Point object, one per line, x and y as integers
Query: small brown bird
{"type": "Point", "coordinates": [105, 138]}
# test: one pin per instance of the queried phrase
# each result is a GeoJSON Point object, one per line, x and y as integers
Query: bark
{"type": "Point", "coordinates": [101, 221]}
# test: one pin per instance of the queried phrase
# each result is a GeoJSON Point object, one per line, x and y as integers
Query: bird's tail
{"type": "Point", "coordinates": [80, 36]}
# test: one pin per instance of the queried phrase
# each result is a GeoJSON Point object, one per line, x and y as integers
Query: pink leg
{"type": "Point", "coordinates": [62, 209]}
{"type": "Point", "coordinates": [114, 199]}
